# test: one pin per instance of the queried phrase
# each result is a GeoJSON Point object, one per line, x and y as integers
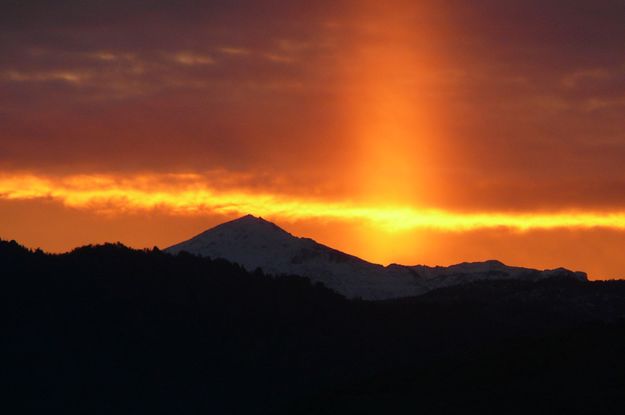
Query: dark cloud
{"type": "Point", "coordinates": [531, 92]}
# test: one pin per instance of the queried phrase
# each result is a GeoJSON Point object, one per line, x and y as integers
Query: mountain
{"type": "Point", "coordinates": [256, 243]}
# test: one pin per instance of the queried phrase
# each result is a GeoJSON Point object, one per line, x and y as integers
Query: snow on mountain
{"type": "Point", "coordinates": [256, 243]}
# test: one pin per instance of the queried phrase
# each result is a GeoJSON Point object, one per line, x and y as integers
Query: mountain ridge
{"type": "Point", "coordinates": [254, 242]}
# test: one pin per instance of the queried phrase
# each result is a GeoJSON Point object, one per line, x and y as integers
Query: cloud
{"type": "Point", "coordinates": [192, 194]}
{"type": "Point", "coordinates": [66, 76]}
{"type": "Point", "coordinates": [574, 79]}
{"type": "Point", "coordinates": [189, 58]}
{"type": "Point", "coordinates": [234, 51]}
{"type": "Point", "coordinates": [528, 91]}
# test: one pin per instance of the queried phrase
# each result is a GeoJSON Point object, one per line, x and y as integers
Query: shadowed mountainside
{"type": "Point", "coordinates": [106, 329]}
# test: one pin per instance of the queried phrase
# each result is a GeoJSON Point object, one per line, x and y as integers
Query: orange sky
{"type": "Point", "coordinates": [431, 133]}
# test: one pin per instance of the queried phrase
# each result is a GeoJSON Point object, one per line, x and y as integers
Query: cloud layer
{"type": "Point", "coordinates": [533, 91]}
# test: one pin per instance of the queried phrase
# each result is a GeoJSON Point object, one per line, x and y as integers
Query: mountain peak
{"type": "Point", "coordinates": [249, 218]}
{"type": "Point", "coordinates": [249, 224]}
{"type": "Point", "coordinates": [245, 235]}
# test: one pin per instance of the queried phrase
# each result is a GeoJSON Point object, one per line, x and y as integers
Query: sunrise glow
{"type": "Point", "coordinates": [188, 194]}
{"type": "Point", "coordinates": [387, 118]}
{"type": "Point", "coordinates": [400, 131]}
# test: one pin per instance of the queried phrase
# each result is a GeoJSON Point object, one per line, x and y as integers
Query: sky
{"type": "Point", "coordinates": [429, 133]}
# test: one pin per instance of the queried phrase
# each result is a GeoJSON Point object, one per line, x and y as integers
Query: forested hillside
{"type": "Point", "coordinates": [108, 329]}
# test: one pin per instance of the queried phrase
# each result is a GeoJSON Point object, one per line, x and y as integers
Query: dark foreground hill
{"type": "Point", "coordinates": [110, 330]}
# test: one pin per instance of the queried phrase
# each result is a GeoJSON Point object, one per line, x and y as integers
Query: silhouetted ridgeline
{"type": "Point", "coordinates": [109, 330]}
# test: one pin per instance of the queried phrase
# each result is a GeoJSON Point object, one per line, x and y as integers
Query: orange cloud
{"type": "Point", "coordinates": [191, 194]}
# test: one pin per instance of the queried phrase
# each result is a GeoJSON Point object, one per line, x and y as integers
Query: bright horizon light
{"type": "Point", "coordinates": [190, 194]}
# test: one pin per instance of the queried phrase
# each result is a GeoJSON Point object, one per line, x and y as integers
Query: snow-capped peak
{"type": "Point", "coordinates": [257, 243]}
